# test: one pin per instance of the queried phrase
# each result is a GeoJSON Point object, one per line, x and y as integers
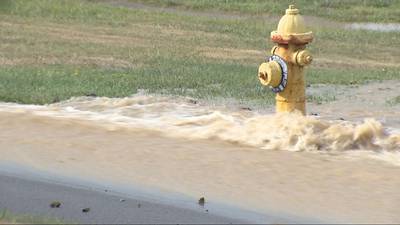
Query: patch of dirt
{"type": "Point", "coordinates": [138, 35]}
{"type": "Point", "coordinates": [349, 62]}
{"type": "Point", "coordinates": [105, 61]}
{"type": "Point", "coordinates": [229, 53]}
{"type": "Point", "coordinates": [359, 101]}
{"type": "Point", "coordinates": [76, 35]}
{"type": "Point", "coordinates": [319, 61]}
{"type": "Point", "coordinates": [82, 34]}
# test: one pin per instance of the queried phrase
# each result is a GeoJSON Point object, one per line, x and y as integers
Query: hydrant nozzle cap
{"type": "Point", "coordinates": [291, 29]}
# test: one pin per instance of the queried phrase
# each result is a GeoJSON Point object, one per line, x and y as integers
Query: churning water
{"type": "Point", "coordinates": [185, 118]}
{"type": "Point", "coordinates": [270, 163]}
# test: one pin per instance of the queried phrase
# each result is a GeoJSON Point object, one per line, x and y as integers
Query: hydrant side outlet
{"type": "Point", "coordinates": [284, 71]}
{"type": "Point", "coordinates": [270, 74]}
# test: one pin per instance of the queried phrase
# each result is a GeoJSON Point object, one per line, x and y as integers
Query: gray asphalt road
{"type": "Point", "coordinates": [21, 195]}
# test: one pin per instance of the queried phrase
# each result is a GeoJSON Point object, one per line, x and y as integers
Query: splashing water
{"type": "Point", "coordinates": [161, 142]}
{"type": "Point", "coordinates": [185, 118]}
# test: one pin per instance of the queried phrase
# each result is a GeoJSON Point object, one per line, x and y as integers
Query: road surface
{"type": "Point", "coordinates": [26, 196]}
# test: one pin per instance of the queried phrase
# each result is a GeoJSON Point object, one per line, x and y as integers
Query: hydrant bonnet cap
{"type": "Point", "coordinates": [292, 29]}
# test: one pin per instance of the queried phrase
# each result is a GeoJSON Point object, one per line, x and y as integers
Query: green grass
{"type": "Point", "coordinates": [53, 50]}
{"type": "Point", "coordinates": [394, 101]}
{"type": "Point", "coordinates": [341, 10]}
{"type": "Point", "coordinates": [6, 217]}
{"type": "Point", "coordinates": [54, 83]}
{"type": "Point", "coordinates": [397, 100]}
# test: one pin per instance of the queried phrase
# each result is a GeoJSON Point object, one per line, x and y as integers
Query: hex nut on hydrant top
{"type": "Point", "coordinates": [284, 70]}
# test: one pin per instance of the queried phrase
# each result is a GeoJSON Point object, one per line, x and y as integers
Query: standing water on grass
{"type": "Point", "coordinates": [382, 27]}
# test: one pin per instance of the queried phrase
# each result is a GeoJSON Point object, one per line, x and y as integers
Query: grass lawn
{"type": "Point", "coordinates": [6, 217]}
{"type": "Point", "coordinates": [52, 50]}
{"type": "Point", "coordinates": [342, 10]}
{"type": "Point", "coordinates": [394, 101]}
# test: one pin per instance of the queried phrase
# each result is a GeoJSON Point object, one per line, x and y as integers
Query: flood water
{"type": "Point", "coordinates": [335, 170]}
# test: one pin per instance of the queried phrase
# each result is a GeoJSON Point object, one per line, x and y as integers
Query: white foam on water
{"type": "Point", "coordinates": [184, 118]}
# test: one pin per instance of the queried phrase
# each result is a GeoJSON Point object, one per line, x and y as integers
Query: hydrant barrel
{"type": "Point", "coordinates": [284, 70]}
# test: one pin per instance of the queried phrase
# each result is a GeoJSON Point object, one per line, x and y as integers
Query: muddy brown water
{"type": "Point", "coordinates": [317, 167]}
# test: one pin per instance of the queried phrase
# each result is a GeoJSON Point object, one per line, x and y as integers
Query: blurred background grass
{"type": "Point", "coordinates": [53, 50]}
{"type": "Point", "coordinates": [341, 10]}
{"type": "Point", "coordinates": [7, 217]}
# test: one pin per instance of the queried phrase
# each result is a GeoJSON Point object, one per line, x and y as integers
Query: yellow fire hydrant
{"type": "Point", "coordinates": [284, 70]}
